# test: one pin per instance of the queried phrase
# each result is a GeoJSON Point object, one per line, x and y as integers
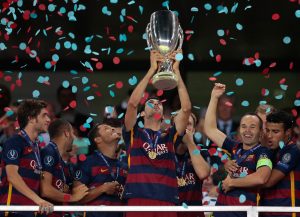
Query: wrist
{"type": "Point", "coordinates": [68, 198]}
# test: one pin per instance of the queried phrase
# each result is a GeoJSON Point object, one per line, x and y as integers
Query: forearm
{"type": "Point", "coordinates": [54, 194]}
{"type": "Point", "coordinates": [210, 121]}
{"type": "Point", "coordinates": [19, 184]}
{"type": "Point", "coordinates": [252, 180]}
{"type": "Point", "coordinates": [200, 166]}
{"type": "Point", "coordinates": [138, 92]}
{"type": "Point", "coordinates": [93, 194]}
{"type": "Point", "coordinates": [184, 97]}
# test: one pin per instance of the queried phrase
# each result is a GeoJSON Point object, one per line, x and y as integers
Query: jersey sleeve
{"type": "Point", "coordinates": [264, 157]}
{"type": "Point", "coordinates": [288, 161]}
{"type": "Point", "coordinates": [82, 173]}
{"type": "Point", "coordinates": [12, 151]}
{"type": "Point", "coordinates": [49, 160]}
{"type": "Point", "coordinates": [229, 144]}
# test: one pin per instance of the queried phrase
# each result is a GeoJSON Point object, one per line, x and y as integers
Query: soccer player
{"type": "Point", "coordinates": [192, 167]}
{"type": "Point", "coordinates": [152, 174]}
{"type": "Point", "coordinates": [102, 172]}
{"type": "Point", "coordinates": [282, 189]}
{"type": "Point", "coordinates": [57, 180]}
{"type": "Point", "coordinates": [253, 160]}
{"type": "Point", "coordinates": [22, 162]}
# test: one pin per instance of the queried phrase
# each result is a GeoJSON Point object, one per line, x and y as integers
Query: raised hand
{"type": "Point", "coordinates": [79, 192]}
{"type": "Point", "coordinates": [218, 90]}
{"type": "Point", "coordinates": [155, 58]}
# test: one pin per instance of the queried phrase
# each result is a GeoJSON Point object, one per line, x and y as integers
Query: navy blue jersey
{"type": "Point", "coordinates": [252, 161]}
{"type": "Point", "coordinates": [151, 161]}
{"type": "Point", "coordinates": [96, 170]}
{"type": "Point", "coordinates": [287, 191]}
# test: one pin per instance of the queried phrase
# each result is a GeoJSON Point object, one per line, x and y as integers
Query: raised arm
{"type": "Point", "coordinates": [200, 166]}
{"type": "Point", "coordinates": [137, 94]}
{"type": "Point", "coordinates": [210, 122]}
{"type": "Point", "coordinates": [182, 118]}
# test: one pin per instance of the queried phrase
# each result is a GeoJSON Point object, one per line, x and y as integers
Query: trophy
{"type": "Point", "coordinates": [165, 35]}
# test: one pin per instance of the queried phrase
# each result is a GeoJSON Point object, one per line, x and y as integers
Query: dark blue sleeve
{"type": "Point", "coordinates": [12, 151]}
{"type": "Point", "coordinates": [83, 173]}
{"type": "Point", "coordinates": [49, 159]}
{"type": "Point", "coordinates": [289, 159]}
{"type": "Point", "coordinates": [229, 144]}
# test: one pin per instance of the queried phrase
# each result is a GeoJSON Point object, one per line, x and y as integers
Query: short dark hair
{"type": "Point", "coordinates": [283, 117]}
{"type": "Point", "coordinates": [113, 122]}
{"type": "Point", "coordinates": [57, 127]}
{"type": "Point", "coordinates": [254, 114]}
{"type": "Point", "coordinates": [29, 108]}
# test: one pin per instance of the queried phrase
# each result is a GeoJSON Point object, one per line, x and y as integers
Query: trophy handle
{"type": "Point", "coordinates": [148, 36]}
{"type": "Point", "coordinates": [181, 36]}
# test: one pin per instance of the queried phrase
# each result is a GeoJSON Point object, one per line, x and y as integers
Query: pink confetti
{"type": "Point", "coordinates": [223, 42]}
{"type": "Point", "coordinates": [159, 93]}
{"type": "Point", "coordinates": [73, 104]}
{"type": "Point", "coordinates": [282, 81]}
{"type": "Point", "coordinates": [228, 104]}
{"type": "Point", "coordinates": [272, 65]}
{"type": "Point", "coordinates": [298, 94]}
{"type": "Point", "coordinates": [275, 16]}
{"type": "Point", "coordinates": [99, 65]}
{"type": "Point", "coordinates": [130, 28]}
{"type": "Point", "coordinates": [82, 157]}
{"type": "Point", "coordinates": [218, 58]}
{"type": "Point", "coordinates": [212, 78]}
{"type": "Point", "coordinates": [294, 112]}
{"type": "Point", "coordinates": [116, 60]}
{"type": "Point", "coordinates": [119, 84]}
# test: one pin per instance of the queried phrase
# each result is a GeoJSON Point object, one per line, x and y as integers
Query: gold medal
{"type": "Point", "coordinates": [66, 188]}
{"type": "Point", "coordinates": [181, 182]}
{"type": "Point", "coordinates": [152, 155]}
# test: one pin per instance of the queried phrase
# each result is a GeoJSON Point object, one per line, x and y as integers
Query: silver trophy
{"type": "Point", "coordinates": [165, 35]}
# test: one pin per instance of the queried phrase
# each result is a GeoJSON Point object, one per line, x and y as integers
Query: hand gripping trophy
{"type": "Point", "coordinates": [165, 35]}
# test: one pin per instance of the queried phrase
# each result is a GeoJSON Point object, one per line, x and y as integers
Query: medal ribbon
{"type": "Point", "coordinates": [60, 161]}
{"type": "Point", "coordinates": [150, 141]}
{"type": "Point", "coordinates": [240, 159]}
{"type": "Point", "coordinates": [181, 171]}
{"type": "Point", "coordinates": [115, 177]}
{"type": "Point", "coordinates": [35, 148]}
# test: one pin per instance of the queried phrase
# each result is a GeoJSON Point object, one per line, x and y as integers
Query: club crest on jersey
{"type": "Point", "coordinates": [286, 158]}
{"type": "Point", "coordinates": [49, 160]}
{"type": "Point", "coordinates": [12, 154]}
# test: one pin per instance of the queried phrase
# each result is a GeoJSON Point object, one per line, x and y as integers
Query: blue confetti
{"type": "Point", "coordinates": [140, 124]}
{"type": "Point", "coordinates": [239, 26]}
{"type": "Point", "coordinates": [74, 89]}
{"type": "Point", "coordinates": [179, 56]}
{"type": "Point", "coordinates": [185, 205]}
{"type": "Point", "coordinates": [242, 198]}
{"type": "Point", "coordinates": [239, 82]}
{"type": "Point", "coordinates": [90, 98]}
{"type": "Point", "coordinates": [245, 103]}
{"type": "Point", "coordinates": [297, 13]}
{"type": "Point", "coordinates": [196, 152]}
{"type": "Point", "coordinates": [35, 94]}
{"type": "Point", "coordinates": [65, 84]}
{"type": "Point", "coordinates": [208, 6]}
{"type": "Point", "coordinates": [297, 102]}
{"type": "Point", "coordinates": [286, 40]}
{"type": "Point", "coordinates": [132, 81]}
{"type": "Point", "coordinates": [220, 32]}
{"type": "Point", "coordinates": [84, 80]}
{"type": "Point", "coordinates": [281, 144]}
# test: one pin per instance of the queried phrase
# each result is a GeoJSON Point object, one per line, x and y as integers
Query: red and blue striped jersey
{"type": "Point", "coordinates": [287, 191]}
{"type": "Point", "coordinates": [17, 151]}
{"type": "Point", "coordinates": [242, 196]}
{"type": "Point", "coordinates": [191, 192]}
{"type": "Point", "coordinates": [151, 162]}
{"type": "Point", "coordinates": [96, 170]}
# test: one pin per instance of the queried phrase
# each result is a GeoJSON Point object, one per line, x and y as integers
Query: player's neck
{"type": "Point", "coordinates": [31, 132]}
{"type": "Point", "coordinates": [60, 146]}
{"type": "Point", "coordinates": [249, 146]}
{"type": "Point", "coordinates": [152, 124]}
{"type": "Point", "coordinates": [108, 150]}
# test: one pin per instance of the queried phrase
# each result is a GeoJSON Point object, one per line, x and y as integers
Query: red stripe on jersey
{"type": "Point", "coordinates": [145, 178]}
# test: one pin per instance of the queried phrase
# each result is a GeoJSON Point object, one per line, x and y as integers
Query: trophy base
{"type": "Point", "coordinates": [166, 80]}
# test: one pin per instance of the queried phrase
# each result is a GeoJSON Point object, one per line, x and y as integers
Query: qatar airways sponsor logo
{"type": "Point", "coordinates": [160, 149]}
{"type": "Point", "coordinates": [190, 179]}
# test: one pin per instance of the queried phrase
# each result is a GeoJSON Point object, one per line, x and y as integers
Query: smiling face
{"type": "Point", "coordinates": [109, 134]}
{"type": "Point", "coordinates": [250, 130]}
